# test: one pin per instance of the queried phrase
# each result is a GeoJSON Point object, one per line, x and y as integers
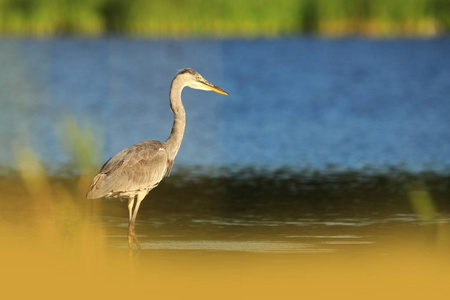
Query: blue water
{"type": "Point", "coordinates": [300, 103]}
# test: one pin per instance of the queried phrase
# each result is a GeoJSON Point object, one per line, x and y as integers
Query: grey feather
{"type": "Point", "coordinates": [141, 166]}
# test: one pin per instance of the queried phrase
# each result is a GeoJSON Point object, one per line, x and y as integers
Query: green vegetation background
{"type": "Point", "coordinates": [222, 18]}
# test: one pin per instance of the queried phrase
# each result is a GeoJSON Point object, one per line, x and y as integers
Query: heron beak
{"type": "Point", "coordinates": [208, 85]}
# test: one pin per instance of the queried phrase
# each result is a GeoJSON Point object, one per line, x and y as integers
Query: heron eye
{"type": "Point", "coordinates": [198, 78]}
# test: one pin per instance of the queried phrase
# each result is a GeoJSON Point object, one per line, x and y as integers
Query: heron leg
{"type": "Point", "coordinates": [132, 238]}
{"type": "Point", "coordinates": [136, 202]}
{"type": "Point", "coordinates": [130, 208]}
{"type": "Point", "coordinates": [139, 198]}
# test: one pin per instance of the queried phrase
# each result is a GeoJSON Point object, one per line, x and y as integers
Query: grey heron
{"type": "Point", "coordinates": [133, 172]}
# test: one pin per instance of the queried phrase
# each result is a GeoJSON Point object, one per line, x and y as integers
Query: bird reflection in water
{"type": "Point", "coordinates": [133, 172]}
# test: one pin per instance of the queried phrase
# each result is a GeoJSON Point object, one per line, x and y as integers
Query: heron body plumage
{"type": "Point", "coordinates": [133, 172]}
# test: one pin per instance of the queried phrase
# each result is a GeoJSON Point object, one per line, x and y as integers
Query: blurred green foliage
{"type": "Point", "coordinates": [81, 145]}
{"type": "Point", "coordinates": [248, 18]}
{"type": "Point", "coordinates": [422, 203]}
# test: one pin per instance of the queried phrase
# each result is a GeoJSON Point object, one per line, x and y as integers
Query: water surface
{"type": "Point", "coordinates": [293, 102]}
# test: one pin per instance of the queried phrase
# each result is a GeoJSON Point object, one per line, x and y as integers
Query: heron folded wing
{"type": "Point", "coordinates": [138, 167]}
{"type": "Point", "coordinates": [94, 192]}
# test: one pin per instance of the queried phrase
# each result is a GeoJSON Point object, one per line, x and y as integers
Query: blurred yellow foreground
{"type": "Point", "coordinates": [51, 250]}
{"type": "Point", "coordinates": [50, 268]}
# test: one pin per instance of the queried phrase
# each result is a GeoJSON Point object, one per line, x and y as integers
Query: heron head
{"type": "Point", "coordinates": [196, 81]}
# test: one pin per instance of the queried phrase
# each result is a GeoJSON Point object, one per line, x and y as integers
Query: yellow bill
{"type": "Point", "coordinates": [209, 86]}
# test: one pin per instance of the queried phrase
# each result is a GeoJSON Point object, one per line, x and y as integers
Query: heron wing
{"type": "Point", "coordinates": [141, 166]}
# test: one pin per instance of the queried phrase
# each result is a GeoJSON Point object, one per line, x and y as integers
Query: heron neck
{"type": "Point", "coordinates": [173, 143]}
